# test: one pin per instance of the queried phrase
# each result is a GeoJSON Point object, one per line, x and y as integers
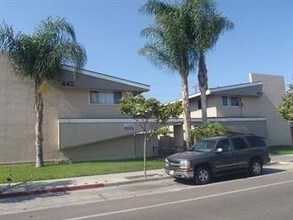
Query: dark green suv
{"type": "Point", "coordinates": [218, 156]}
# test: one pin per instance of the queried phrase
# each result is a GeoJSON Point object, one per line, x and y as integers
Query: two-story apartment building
{"type": "Point", "coordinates": [81, 117]}
{"type": "Point", "coordinates": [82, 120]}
{"type": "Point", "coordinates": [246, 108]}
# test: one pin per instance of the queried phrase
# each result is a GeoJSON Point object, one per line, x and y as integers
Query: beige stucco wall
{"type": "Point", "coordinates": [248, 109]}
{"type": "Point", "coordinates": [17, 115]}
{"type": "Point", "coordinates": [257, 127]}
{"type": "Point", "coordinates": [74, 103]}
{"type": "Point", "coordinates": [211, 108]}
{"type": "Point", "coordinates": [216, 108]}
{"type": "Point", "coordinates": [79, 132]}
{"type": "Point", "coordinates": [263, 106]}
{"type": "Point", "coordinates": [278, 130]}
{"type": "Point", "coordinates": [16, 105]}
{"type": "Point", "coordinates": [120, 148]}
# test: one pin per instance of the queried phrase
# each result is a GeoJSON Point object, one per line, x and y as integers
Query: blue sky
{"type": "Point", "coordinates": [261, 42]}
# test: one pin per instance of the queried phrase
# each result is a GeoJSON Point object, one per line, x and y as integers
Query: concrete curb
{"type": "Point", "coordinates": [47, 190]}
{"type": "Point", "coordinates": [272, 163]}
{"type": "Point", "coordinates": [51, 190]}
{"type": "Point", "coordinates": [279, 163]}
{"type": "Point", "coordinates": [137, 181]}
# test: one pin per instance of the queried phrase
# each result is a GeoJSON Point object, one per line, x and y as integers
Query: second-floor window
{"type": "Point", "coordinates": [107, 98]}
{"type": "Point", "coordinates": [198, 104]}
{"type": "Point", "coordinates": [231, 101]}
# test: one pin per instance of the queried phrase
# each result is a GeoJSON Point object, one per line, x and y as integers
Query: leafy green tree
{"type": "Point", "coordinates": [144, 111]}
{"type": "Point", "coordinates": [285, 108]}
{"type": "Point", "coordinates": [40, 56]}
{"type": "Point", "coordinates": [164, 131]}
{"type": "Point", "coordinates": [168, 46]}
{"type": "Point", "coordinates": [206, 25]}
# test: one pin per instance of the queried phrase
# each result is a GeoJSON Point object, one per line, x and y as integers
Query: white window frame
{"type": "Point", "coordinates": [229, 102]}
{"type": "Point", "coordinates": [95, 91]}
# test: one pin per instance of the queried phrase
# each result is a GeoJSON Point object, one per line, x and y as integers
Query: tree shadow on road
{"type": "Point", "coordinates": [33, 190]}
{"type": "Point", "coordinates": [231, 177]}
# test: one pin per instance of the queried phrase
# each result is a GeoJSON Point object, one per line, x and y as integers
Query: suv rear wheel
{"type": "Point", "coordinates": [202, 175]}
{"type": "Point", "coordinates": [255, 167]}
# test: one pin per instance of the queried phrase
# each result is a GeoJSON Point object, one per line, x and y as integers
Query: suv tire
{"type": "Point", "coordinates": [255, 167]}
{"type": "Point", "coordinates": [202, 175]}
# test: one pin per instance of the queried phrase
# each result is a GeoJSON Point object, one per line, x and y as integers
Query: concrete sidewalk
{"type": "Point", "coordinates": [88, 182]}
{"type": "Point", "coordinates": [78, 183]}
{"type": "Point", "coordinates": [283, 158]}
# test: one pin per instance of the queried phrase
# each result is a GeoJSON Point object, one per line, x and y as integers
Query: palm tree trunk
{"type": "Point", "coordinates": [186, 111]}
{"type": "Point", "coordinates": [39, 106]}
{"type": "Point", "coordinates": [203, 85]}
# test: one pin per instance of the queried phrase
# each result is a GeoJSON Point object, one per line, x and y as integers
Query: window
{"type": "Point", "coordinates": [231, 101]}
{"type": "Point", "coordinates": [105, 97]}
{"type": "Point", "coordinates": [224, 144]}
{"type": "Point", "coordinates": [203, 146]}
{"type": "Point", "coordinates": [256, 141]}
{"type": "Point", "coordinates": [239, 143]}
{"type": "Point", "coordinates": [198, 104]}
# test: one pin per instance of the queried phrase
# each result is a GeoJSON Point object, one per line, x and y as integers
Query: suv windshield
{"type": "Point", "coordinates": [203, 146]}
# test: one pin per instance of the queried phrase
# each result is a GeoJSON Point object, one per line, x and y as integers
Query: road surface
{"type": "Point", "coordinates": [268, 197]}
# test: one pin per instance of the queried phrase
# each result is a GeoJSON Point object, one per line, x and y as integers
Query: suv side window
{"type": "Point", "coordinates": [255, 141]}
{"type": "Point", "coordinates": [224, 144]}
{"type": "Point", "coordinates": [239, 143]}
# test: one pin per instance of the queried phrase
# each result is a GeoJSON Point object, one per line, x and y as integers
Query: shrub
{"type": "Point", "coordinates": [209, 129]}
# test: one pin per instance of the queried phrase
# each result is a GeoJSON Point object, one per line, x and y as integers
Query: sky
{"type": "Point", "coordinates": [261, 42]}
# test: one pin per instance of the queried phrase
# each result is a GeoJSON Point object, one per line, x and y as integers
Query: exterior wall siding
{"type": "Point", "coordinates": [79, 132]}
{"type": "Point", "coordinates": [17, 115]}
{"type": "Point", "coordinates": [127, 147]}
{"type": "Point", "coordinates": [263, 106]}
{"type": "Point", "coordinates": [278, 129]}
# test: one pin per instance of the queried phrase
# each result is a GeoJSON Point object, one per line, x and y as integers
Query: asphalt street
{"type": "Point", "coordinates": [236, 197]}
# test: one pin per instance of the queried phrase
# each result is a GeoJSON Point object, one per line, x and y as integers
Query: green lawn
{"type": "Point", "coordinates": [21, 172]}
{"type": "Point", "coordinates": [280, 150]}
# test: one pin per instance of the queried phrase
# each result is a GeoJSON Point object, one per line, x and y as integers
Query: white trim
{"type": "Point", "coordinates": [90, 120]}
{"type": "Point", "coordinates": [237, 119]}
{"type": "Point", "coordinates": [109, 78]}
{"type": "Point", "coordinates": [129, 120]}
{"type": "Point", "coordinates": [236, 86]}
{"type": "Point", "coordinates": [224, 88]}
{"type": "Point", "coordinates": [250, 77]}
{"type": "Point", "coordinates": [208, 92]}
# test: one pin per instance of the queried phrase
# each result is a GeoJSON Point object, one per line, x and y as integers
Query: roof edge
{"type": "Point", "coordinates": [223, 88]}
{"type": "Point", "coordinates": [109, 78]}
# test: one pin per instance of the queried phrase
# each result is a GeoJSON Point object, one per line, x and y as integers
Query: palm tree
{"type": "Point", "coordinates": [206, 26]}
{"type": "Point", "coordinates": [40, 56]}
{"type": "Point", "coordinates": [168, 46]}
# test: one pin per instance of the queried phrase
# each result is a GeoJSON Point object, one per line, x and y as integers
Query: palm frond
{"type": "Point", "coordinates": [207, 24]}
{"type": "Point", "coordinates": [40, 55]}
{"type": "Point", "coordinates": [156, 8]}
{"type": "Point", "coordinates": [56, 27]}
{"type": "Point", "coordinates": [168, 42]}
{"type": "Point", "coordinates": [7, 37]}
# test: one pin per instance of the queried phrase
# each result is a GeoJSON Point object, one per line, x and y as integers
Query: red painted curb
{"type": "Point", "coordinates": [52, 190]}
{"type": "Point", "coordinates": [74, 187]}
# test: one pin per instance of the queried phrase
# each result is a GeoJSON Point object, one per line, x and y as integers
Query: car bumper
{"type": "Point", "coordinates": [182, 174]}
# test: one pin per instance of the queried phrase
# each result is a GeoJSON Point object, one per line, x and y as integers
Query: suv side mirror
{"type": "Point", "coordinates": [219, 150]}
